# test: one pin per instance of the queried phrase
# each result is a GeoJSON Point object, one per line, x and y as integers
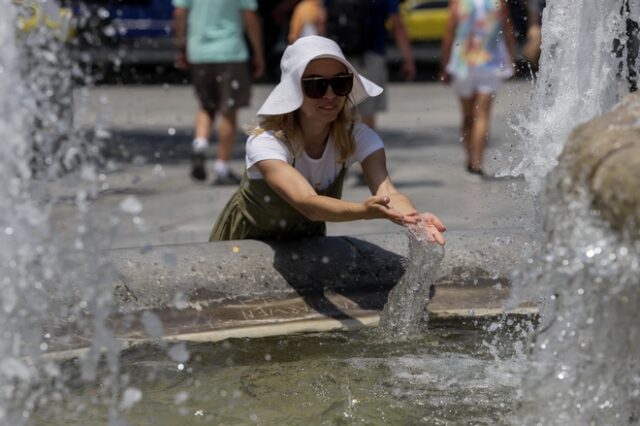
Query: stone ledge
{"type": "Point", "coordinates": [214, 291]}
{"type": "Point", "coordinates": [156, 278]}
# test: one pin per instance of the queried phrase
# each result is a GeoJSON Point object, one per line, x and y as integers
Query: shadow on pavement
{"type": "Point", "coordinates": [140, 146]}
{"type": "Point", "coordinates": [159, 146]}
{"type": "Point", "coordinates": [354, 271]}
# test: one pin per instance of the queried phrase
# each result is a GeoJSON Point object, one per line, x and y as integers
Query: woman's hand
{"type": "Point", "coordinates": [377, 207]}
{"type": "Point", "coordinates": [429, 224]}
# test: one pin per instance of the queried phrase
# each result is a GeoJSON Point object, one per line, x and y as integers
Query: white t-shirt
{"type": "Point", "coordinates": [321, 172]}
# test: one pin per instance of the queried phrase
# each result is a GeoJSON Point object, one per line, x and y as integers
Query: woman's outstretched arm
{"type": "Point", "coordinates": [294, 189]}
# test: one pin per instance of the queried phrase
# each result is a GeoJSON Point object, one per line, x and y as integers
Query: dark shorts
{"type": "Point", "coordinates": [222, 87]}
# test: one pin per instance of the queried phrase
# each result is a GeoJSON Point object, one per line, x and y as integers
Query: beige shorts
{"type": "Point", "coordinates": [374, 67]}
{"type": "Point", "coordinates": [222, 87]}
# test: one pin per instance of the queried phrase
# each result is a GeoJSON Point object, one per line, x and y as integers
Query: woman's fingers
{"type": "Point", "coordinates": [430, 218]}
{"type": "Point", "coordinates": [380, 208]}
{"type": "Point", "coordinates": [379, 199]}
{"type": "Point", "coordinates": [435, 235]}
{"type": "Point", "coordinates": [411, 218]}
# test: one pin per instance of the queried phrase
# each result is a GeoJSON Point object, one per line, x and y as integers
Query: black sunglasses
{"type": "Point", "coordinates": [316, 87]}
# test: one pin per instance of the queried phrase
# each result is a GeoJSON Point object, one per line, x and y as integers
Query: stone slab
{"type": "Point", "coordinates": [326, 311]}
{"type": "Point", "coordinates": [319, 285]}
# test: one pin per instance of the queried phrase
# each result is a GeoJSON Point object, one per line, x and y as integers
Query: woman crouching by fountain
{"type": "Point", "coordinates": [297, 158]}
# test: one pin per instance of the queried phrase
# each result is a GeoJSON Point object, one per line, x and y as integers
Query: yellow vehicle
{"type": "Point", "coordinates": [34, 14]}
{"type": "Point", "coordinates": [426, 20]}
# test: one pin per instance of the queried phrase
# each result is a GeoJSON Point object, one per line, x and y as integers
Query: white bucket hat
{"type": "Point", "coordinates": [287, 96]}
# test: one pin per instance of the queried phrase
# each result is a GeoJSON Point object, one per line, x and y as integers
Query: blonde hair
{"type": "Point", "coordinates": [286, 127]}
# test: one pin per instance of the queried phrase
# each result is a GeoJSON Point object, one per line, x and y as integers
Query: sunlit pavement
{"type": "Point", "coordinates": [150, 127]}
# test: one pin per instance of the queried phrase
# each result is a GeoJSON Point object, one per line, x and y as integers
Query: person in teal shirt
{"type": "Point", "coordinates": [210, 35]}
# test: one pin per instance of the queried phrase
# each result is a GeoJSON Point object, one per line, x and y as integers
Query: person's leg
{"type": "Point", "coordinates": [372, 66]}
{"type": "Point", "coordinates": [227, 128]}
{"type": "Point", "coordinates": [205, 92]}
{"type": "Point", "coordinates": [480, 129]}
{"type": "Point", "coordinates": [204, 122]}
{"type": "Point", "coordinates": [465, 89]}
{"type": "Point", "coordinates": [466, 105]}
{"type": "Point", "coordinates": [235, 89]}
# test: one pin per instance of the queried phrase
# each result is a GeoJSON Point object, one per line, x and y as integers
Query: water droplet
{"type": "Point", "coordinates": [152, 324]}
{"type": "Point", "coordinates": [131, 205]}
{"type": "Point", "coordinates": [179, 352]}
{"type": "Point", "coordinates": [130, 397]}
{"type": "Point", "coordinates": [181, 397]}
{"type": "Point", "coordinates": [170, 260]}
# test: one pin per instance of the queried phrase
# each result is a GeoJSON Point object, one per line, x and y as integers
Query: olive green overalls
{"type": "Point", "coordinates": [256, 211]}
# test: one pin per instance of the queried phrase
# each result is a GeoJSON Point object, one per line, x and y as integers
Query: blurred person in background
{"type": "Point", "coordinates": [309, 18]}
{"type": "Point", "coordinates": [531, 49]}
{"type": "Point", "coordinates": [210, 40]}
{"type": "Point", "coordinates": [478, 51]}
{"type": "Point", "coordinates": [359, 27]}
{"type": "Point", "coordinates": [276, 15]}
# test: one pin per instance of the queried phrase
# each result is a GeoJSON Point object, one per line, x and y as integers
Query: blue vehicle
{"type": "Point", "coordinates": [125, 31]}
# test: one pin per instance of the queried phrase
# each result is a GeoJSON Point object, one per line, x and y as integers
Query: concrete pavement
{"type": "Point", "coordinates": [151, 133]}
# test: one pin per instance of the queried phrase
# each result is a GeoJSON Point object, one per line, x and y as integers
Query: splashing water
{"type": "Point", "coordinates": [51, 286]}
{"type": "Point", "coordinates": [405, 311]}
{"type": "Point", "coordinates": [585, 359]}
{"type": "Point", "coordinates": [577, 81]}
{"type": "Point", "coordinates": [585, 362]}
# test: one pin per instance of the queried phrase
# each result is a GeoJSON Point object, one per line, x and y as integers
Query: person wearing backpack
{"type": "Point", "coordinates": [359, 28]}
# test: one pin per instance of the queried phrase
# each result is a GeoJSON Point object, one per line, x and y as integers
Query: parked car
{"type": "Point", "coordinates": [426, 20]}
{"type": "Point", "coordinates": [33, 14]}
{"type": "Point", "coordinates": [44, 29]}
{"type": "Point", "coordinates": [125, 31]}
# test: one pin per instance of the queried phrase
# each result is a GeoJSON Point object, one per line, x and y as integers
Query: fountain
{"type": "Point", "coordinates": [45, 278]}
{"type": "Point", "coordinates": [584, 360]}
{"type": "Point", "coordinates": [93, 337]}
